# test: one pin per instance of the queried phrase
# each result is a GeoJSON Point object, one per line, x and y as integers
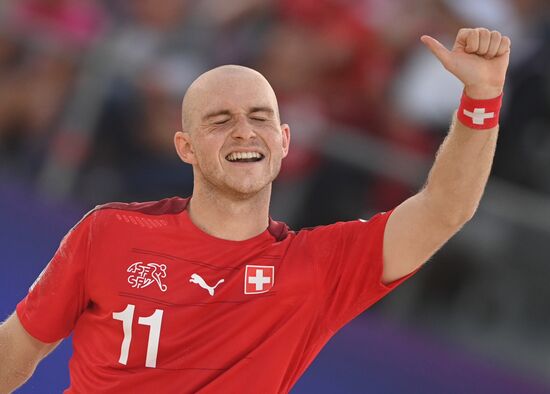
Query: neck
{"type": "Point", "coordinates": [234, 218]}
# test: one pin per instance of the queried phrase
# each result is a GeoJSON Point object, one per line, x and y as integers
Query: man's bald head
{"type": "Point", "coordinates": [225, 83]}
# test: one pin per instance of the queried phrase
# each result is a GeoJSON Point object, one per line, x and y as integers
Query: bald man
{"type": "Point", "coordinates": [208, 294]}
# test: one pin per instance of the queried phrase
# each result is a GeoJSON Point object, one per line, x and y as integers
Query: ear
{"type": "Point", "coordinates": [182, 141]}
{"type": "Point", "coordinates": [285, 129]}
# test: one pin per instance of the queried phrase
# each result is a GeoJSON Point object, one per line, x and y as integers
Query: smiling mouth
{"type": "Point", "coordinates": [244, 157]}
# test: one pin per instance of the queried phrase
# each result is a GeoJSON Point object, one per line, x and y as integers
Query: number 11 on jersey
{"type": "Point", "coordinates": [154, 322]}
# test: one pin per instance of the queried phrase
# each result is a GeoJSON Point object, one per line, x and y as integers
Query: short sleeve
{"type": "Point", "coordinates": [58, 296]}
{"type": "Point", "coordinates": [349, 268]}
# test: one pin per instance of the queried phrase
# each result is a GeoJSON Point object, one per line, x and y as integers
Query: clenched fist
{"type": "Point", "coordinates": [479, 58]}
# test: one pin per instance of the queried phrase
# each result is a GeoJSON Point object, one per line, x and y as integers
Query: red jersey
{"type": "Point", "coordinates": [156, 304]}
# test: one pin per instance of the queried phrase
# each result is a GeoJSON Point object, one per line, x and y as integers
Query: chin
{"type": "Point", "coordinates": [247, 190]}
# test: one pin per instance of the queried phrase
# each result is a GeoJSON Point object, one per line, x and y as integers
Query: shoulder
{"type": "Point", "coordinates": [317, 238]}
{"type": "Point", "coordinates": [321, 230]}
{"type": "Point", "coordinates": [344, 229]}
{"type": "Point", "coordinates": [167, 206]}
{"type": "Point", "coordinates": [149, 214]}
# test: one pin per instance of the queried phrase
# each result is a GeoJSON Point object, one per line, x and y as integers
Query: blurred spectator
{"type": "Point", "coordinates": [40, 45]}
{"type": "Point", "coordinates": [341, 68]}
{"type": "Point", "coordinates": [69, 22]}
{"type": "Point", "coordinates": [144, 32]}
{"type": "Point", "coordinates": [524, 145]}
{"type": "Point", "coordinates": [153, 63]}
{"type": "Point", "coordinates": [134, 156]}
{"type": "Point", "coordinates": [233, 32]}
{"type": "Point", "coordinates": [424, 91]}
{"type": "Point", "coordinates": [31, 100]}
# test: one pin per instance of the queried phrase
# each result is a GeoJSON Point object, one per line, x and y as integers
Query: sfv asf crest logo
{"type": "Point", "coordinates": [146, 274]}
{"type": "Point", "coordinates": [258, 279]}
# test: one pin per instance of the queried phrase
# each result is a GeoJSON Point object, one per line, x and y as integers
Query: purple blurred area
{"type": "Point", "coordinates": [90, 95]}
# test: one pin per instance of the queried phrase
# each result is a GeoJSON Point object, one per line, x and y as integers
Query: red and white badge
{"type": "Point", "coordinates": [258, 279]}
{"type": "Point", "coordinates": [479, 114]}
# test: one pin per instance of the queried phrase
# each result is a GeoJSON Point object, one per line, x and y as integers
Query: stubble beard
{"type": "Point", "coordinates": [216, 183]}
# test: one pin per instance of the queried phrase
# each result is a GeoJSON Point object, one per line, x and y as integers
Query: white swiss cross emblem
{"type": "Point", "coordinates": [479, 115]}
{"type": "Point", "coordinates": [258, 279]}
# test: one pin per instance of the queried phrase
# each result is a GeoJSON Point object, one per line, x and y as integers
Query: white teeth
{"type": "Point", "coordinates": [243, 155]}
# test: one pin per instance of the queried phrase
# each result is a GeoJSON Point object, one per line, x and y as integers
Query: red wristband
{"type": "Point", "coordinates": [479, 114]}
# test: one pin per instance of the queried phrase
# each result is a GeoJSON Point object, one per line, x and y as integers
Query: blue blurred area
{"type": "Point", "coordinates": [30, 232]}
{"type": "Point", "coordinates": [373, 355]}
{"type": "Point", "coordinates": [369, 355]}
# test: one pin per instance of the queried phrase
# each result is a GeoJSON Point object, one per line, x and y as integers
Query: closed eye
{"type": "Point", "coordinates": [259, 119]}
{"type": "Point", "coordinates": [221, 121]}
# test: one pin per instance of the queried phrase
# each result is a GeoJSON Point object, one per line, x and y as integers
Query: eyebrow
{"type": "Point", "coordinates": [261, 109]}
{"type": "Point", "coordinates": [252, 110]}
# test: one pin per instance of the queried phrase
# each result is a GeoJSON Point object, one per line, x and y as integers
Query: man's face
{"type": "Point", "coordinates": [234, 138]}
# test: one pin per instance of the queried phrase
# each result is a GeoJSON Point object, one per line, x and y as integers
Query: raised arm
{"type": "Point", "coordinates": [20, 353]}
{"type": "Point", "coordinates": [423, 223]}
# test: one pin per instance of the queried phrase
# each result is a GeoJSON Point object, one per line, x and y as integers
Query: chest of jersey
{"type": "Point", "coordinates": [170, 301]}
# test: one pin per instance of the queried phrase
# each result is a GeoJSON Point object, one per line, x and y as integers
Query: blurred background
{"type": "Point", "coordinates": [90, 96]}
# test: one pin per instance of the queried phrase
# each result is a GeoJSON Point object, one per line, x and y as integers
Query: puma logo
{"type": "Point", "coordinates": [196, 278]}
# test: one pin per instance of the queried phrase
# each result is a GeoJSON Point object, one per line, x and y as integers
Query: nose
{"type": "Point", "coordinates": [243, 129]}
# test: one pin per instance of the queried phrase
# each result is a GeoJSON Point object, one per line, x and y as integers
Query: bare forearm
{"type": "Point", "coordinates": [19, 354]}
{"type": "Point", "coordinates": [479, 59]}
{"type": "Point", "coordinates": [12, 375]}
{"type": "Point", "coordinates": [420, 225]}
{"type": "Point", "coordinates": [460, 172]}
{"type": "Point", "coordinates": [12, 379]}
